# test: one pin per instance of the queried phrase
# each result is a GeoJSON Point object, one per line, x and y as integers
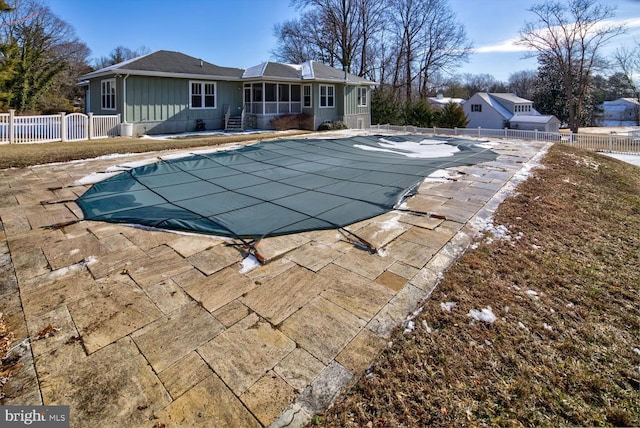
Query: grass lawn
{"type": "Point", "coordinates": [22, 155]}
{"type": "Point", "coordinates": [564, 288]}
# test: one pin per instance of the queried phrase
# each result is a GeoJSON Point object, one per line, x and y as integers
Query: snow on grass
{"type": "Point", "coordinates": [409, 323]}
{"type": "Point", "coordinates": [484, 315]}
{"type": "Point", "coordinates": [447, 306]}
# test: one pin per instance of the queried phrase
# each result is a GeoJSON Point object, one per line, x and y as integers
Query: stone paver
{"type": "Point", "coordinates": [138, 327]}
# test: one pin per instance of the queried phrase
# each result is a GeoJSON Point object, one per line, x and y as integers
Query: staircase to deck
{"type": "Point", "coordinates": [233, 123]}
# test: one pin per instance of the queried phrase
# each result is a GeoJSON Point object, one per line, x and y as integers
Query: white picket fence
{"type": "Point", "coordinates": [16, 129]}
{"type": "Point", "coordinates": [601, 143]}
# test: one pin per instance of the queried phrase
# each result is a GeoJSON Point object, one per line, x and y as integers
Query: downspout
{"type": "Point", "coordinates": [124, 99]}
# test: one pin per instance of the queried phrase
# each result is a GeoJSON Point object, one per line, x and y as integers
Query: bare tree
{"type": "Point", "coordinates": [628, 61]}
{"type": "Point", "coordinates": [444, 43]}
{"type": "Point", "coordinates": [409, 18]}
{"type": "Point", "coordinates": [522, 83]}
{"type": "Point", "coordinates": [571, 35]}
{"type": "Point", "coordinates": [120, 54]}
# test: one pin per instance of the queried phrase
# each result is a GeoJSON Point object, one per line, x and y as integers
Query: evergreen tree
{"type": "Point", "coordinates": [452, 116]}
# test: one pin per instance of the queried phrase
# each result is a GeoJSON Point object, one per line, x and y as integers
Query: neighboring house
{"type": "Point", "coordinates": [498, 111]}
{"type": "Point", "coordinates": [170, 92]}
{"type": "Point", "coordinates": [439, 101]}
{"type": "Point", "coordinates": [620, 112]}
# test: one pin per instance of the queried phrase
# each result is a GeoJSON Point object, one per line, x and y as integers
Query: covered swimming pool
{"type": "Point", "coordinates": [277, 187]}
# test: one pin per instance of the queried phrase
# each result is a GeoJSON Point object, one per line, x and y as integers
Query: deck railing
{"type": "Point", "coordinates": [622, 144]}
{"type": "Point", "coordinates": [16, 129]}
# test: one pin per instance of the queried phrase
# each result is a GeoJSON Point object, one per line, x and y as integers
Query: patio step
{"type": "Point", "coordinates": [234, 124]}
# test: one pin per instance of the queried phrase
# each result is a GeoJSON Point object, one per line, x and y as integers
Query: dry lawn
{"type": "Point", "coordinates": [564, 349]}
{"type": "Point", "coordinates": [23, 155]}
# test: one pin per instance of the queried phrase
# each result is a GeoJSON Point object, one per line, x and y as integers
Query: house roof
{"type": "Point", "coordinates": [175, 64]}
{"type": "Point", "coordinates": [169, 64]}
{"type": "Point", "coordinates": [273, 69]}
{"type": "Point", "coordinates": [486, 97]}
{"type": "Point", "coordinates": [621, 102]}
{"type": "Point", "coordinates": [325, 73]}
{"type": "Point", "coordinates": [309, 70]}
{"type": "Point", "coordinates": [532, 118]}
{"type": "Point", "coordinates": [512, 98]}
{"type": "Point", "coordinates": [440, 99]}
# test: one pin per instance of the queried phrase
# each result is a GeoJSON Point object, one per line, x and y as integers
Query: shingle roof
{"type": "Point", "coordinates": [309, 70]}
{"type": "Point", "coordinates": [176, 64]}
{"type": "Point", "coordinates": [275, 70]}
{"type": "Point", "coordinates": [165, 63]}
{"type": "Point", "coordinates": [326, 73]}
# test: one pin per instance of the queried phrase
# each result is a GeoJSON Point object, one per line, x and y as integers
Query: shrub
{"type": "Point", "coordinates": [332, 126]}
{"type": "Point", "coordinates": [291, 121]}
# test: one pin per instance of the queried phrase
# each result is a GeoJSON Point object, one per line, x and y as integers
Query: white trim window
{"type": "Point", "coordinates": [202, 95]}
{"type": "Point", "coordinates": [476, 108]}
{"type": "Point", "coordinates": [108, 94]}
{"type": "Point", "coordinates": [327, 96]}
{"type": "Point", "coordinates": [307, 97]}
{"type": "Point", "coordinates": [362, 96]}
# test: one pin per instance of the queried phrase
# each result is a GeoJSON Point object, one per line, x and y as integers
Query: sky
{"type": "Point", "coordinates": [239, 33]}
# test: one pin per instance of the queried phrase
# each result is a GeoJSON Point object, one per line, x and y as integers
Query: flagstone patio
{"type": "Point", "coordinates": [138, 327]}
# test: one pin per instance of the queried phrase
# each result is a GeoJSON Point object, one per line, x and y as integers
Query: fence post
{"type": "Point", "coordinates": [610, 143]}
{"type": "Point", "coordinates": [90, 124]}
{"type": "Point", "coordinates": [505, 132]}
{"type": "Point", "coordinates": [63, 127]}
{"type": "Point", "coordinates": [535, 134]}
{"type": "Point", "coordinates": [478, 131]}
{"type": "Point", "coordinates": [12, 114]}
{"type": "Point", "coordinates": [455, 131]}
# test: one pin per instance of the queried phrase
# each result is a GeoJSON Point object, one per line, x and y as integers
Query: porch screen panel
{"type": "Point", "coordinates": [270, 98]}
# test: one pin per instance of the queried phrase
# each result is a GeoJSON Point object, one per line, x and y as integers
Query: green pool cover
{"type": "Point", "coordinates": [277, 187]}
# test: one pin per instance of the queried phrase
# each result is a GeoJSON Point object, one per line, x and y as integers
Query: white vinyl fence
{"type": "Point", "coordinates": [601, 143]}
{"type": "Point", "coordinates": [16, 129]}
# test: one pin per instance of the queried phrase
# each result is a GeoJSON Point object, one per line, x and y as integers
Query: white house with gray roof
{"type": "Point", "coordinates": [170, 92]}
{"type": "Point", "coordinates": [502, 110]}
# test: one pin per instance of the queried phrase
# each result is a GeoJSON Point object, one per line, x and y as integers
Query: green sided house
{"type": "Point", "coordinates": [169, 92]}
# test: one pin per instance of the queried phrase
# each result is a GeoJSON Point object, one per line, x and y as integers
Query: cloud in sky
{"type": "Point", "coordinates": [510, 45]}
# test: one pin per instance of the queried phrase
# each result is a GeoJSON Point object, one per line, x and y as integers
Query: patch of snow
{"type": "Point", "coordinates": [425, 149]}
{"type": "Point", "coordinates": [484, 315]}
{"type": "Point", "coordinates": [570, 305]}
{"type": "Point", "coordinates": [533, 294]}
{"type": "Point", "coordinates": [499, 232]}
{"type": "Point", "coordinates": [409, 328]}
{"type": "Point", "coordinates": [547, 326]}
{"type": "Point", "coordinates": [249, 263]}
{"type": "Point", "coordinates": [442, 176]}
{"type": "Point", "coordinates": [566, 180]}
{"type": "Point", "coordinates": [95, 177]}
{"type": "Point", "coordinates": [447, 306]}
{"type": "Point", "coordinates": [522, 326]}
{"type": "Point", "coordinates": [426, 326]}
{"type": "Point", "coordinates": [636, 350]}
{"type": "Point", "coordinates": [535, 247]}
{"type": "Point", "coordinates": [391, 224]}
{"type": "Point", "coordinates": [74, 251]}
